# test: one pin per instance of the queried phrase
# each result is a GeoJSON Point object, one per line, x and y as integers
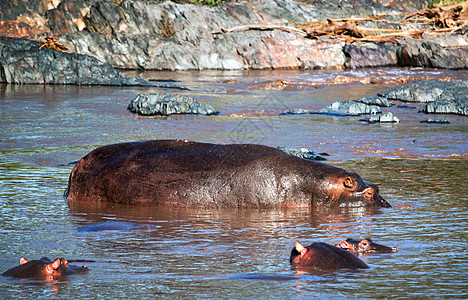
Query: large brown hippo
{"type": "Point", "coordinates": [183, 173]}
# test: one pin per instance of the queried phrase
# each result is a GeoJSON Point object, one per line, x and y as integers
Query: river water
{"type": "Point", "coordinates": [199, 253]}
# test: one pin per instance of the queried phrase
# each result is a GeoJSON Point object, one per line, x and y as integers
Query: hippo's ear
{"type": "Point", "coordinates": [23, 261]}
{"type": "Point", "coordinates": [299, 248]}
{"type": "Point", "coordinates": [56, 264]}
{"type": "Point", "coordinates": [349, 183]}
{"type": "Point", "coordinates": [50, 268]}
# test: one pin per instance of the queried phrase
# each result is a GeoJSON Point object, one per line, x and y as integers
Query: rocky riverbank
{"type": "Point", "coordinates": [23, 62]}
{"type": "Point", "coordinates": [259, 34]}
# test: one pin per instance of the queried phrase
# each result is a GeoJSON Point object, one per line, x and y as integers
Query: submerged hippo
{"type": "Point", "coordinates": [182, 173]}
{"type": "Point", "coordinates": [325, 257]}
{"type": "Point", "coordinates": [114, 225]}
{"type": "Point", "coordinates": [44, 268]}
{"type": "Point", "coordinates": [365, 246]}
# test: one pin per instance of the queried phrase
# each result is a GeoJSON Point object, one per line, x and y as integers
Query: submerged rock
{"type": "Point", "coordinates": [438, 121]}
{"type": "Point", "coordinates": [302, 153]}
{"type": "Point", "coordinates": [22, 61]}
{"type": "Point", "coordinates": [426, 90]}
{"type": "Point", "coordinates": [385, 118]}
{"type": "Point", "coordinates": [349, 108]}
{"type": "Point", "coordinates": [296, 111]}
{"type": "Point", "coordinates": [168, 104]}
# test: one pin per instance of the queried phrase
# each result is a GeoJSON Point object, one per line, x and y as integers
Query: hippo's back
{"type": "Point", "coordinates": [182, 173]}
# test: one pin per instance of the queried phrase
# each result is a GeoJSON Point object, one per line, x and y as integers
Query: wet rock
{"type": "Point", "coordinates": [438, 121]}
{"type": "Point", "coordinates": [385, 118]}
{"type": "Point", "coordinates": [296, 111]}
{"type": "Point", "coordinates": [454, 106]}
{"type": "Point", "coordinates": [22, 61]}
{"type": "Point", "coordinates": [167, 84]}
{"type": "Point", "coordinates": [364, 55]}
{"type": "Point", "coordinates": [427, 90]}
{"type": "Point", "coordinates": [349, 108]}
{"type": "Point", "coordinates": [168, 104]}
{"type": "Point", "coordinates": [406, 107]}
{"type": "Point", "coordinates": [302, 153]}
{"type": "Point", "coordinates": [375, 100]}
{"type": "Point", "coordinates": [447, 52]}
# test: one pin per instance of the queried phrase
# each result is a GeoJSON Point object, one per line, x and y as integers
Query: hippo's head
{"type": "Point", "coordinates": [350, 189]}
{"type": "Point", "coordinates": [67, 269]}
{"type": "Point", "coordinates": [365, 246]}
{"type": "Point", "coordinates": [34, 269]}
{"type": "Point", "coordinates": [43, 268]}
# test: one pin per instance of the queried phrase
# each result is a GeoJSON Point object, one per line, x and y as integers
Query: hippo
{"type": "Point", "coordinates": [325, 257]}
{"type": "Point", "coordinates": [114, 225]}
{"type": "Point", "coordinates": [44, 268]}
{"type": "Point", "coordinates": [365, 246]}
{"type": "Point", "coordinates": [191, 174]}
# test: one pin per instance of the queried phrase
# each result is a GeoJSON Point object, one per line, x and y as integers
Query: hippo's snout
{"type": "Point", "coordinates": [381, 202]}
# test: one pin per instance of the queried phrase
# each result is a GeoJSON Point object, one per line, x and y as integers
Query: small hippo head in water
{"type": "Point", "coordinates": [326, 257]}
{"type": "Point", "coordinates": [43, 268]}
{"type": "Point", "coordinates": [365, 246]}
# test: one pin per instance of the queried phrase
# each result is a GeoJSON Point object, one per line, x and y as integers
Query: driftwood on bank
{"type": "Point", "coordinates": [261, 27]}
{"type": "Point", "coordinates": [51, 43]}
{"type": "Point", "coordinates": [444, 16]}
{"type": "Point", "coordinates": [447, 18]}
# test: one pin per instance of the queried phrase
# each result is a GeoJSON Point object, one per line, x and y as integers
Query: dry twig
{"type": "Point", "coordinates": [52, 43]}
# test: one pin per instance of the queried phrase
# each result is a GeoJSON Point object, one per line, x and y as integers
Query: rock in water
{"type": "Point", "coordinates": [436, 121]}
{"type": "Point", "coordinates": [296, 111]}
{"type": "Point", "coordinates": [385, 118]}
{"type": "Point", "coordinates": [349, 108]}
{"type": "Point", "coordinates": [456, 106]}
{"type": "Point", "coordinates": [375, 100]}
{"type": "Point", "coordinates": [302, 153]}
{"type": "Point", "coordinates": [427, 90]}
{"type": "Point", "coordinates": [22, 61]}
{"type": "Point", "coordinates": [168, 104]}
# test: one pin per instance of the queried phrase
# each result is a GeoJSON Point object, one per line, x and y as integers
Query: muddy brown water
{"type": "Point", "coordinates": [199, 253]}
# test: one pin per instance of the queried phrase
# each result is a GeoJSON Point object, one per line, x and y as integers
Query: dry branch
{"type": "Point", "coordinates": [445, 16]}
{"type": "Point", "coordinates": [261, 27]}
{"type": "Point", "coordinates": [52, 43]}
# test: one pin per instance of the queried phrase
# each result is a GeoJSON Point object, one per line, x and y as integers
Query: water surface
{"type": "Point", "coordinates": [198, 253]}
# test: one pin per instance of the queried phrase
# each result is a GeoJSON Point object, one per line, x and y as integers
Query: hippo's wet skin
{"type": "Point", "coordinates": [365, 246]}
{"type": "Point", "coordinates": [325, 257]}
{"type": "Point", "coordinates": [182, 173]}
{"type": "Point", "coordinates": [44, 268]}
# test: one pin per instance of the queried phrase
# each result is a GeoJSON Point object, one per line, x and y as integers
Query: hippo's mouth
{"type": "Point", "coordinates": [381, 202]}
